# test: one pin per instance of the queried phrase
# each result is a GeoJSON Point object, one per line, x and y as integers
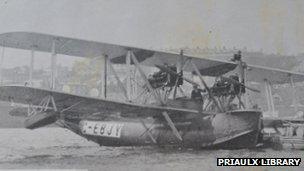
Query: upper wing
{"type": "Point", "coordinates": [276, 76]}
{"type": "Point", "coordinates": [117, 54]}
{"type": "Point", "coordinates": [86, 105]}
{"type": "Point", "coordinates": [63, 45]}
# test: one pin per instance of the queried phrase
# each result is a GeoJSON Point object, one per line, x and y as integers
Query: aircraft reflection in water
{"type": "Point", "coordinates": [221, 119]}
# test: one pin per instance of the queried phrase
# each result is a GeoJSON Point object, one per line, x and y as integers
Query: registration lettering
{"type": "Point", "coordinates": [104, 129]}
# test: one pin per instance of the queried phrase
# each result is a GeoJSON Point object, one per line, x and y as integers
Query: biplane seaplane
{"type": "Point", "coordinates": [220, 119]}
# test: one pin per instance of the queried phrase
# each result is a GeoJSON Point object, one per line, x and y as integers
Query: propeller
{"type": "Point", "coordinates": [239, 83]}
{"type": "Point", "coordinates": [168, 70]}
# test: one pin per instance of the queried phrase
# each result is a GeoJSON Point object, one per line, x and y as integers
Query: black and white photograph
{"type": "Point", "coordinates": [90, 85]}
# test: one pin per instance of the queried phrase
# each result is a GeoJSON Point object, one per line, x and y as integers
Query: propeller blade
{"type": "Point", "coordinates": [168, 70]}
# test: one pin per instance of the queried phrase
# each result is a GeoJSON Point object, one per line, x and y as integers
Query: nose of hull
{"type": "Point", "coordinates": [238, 129]}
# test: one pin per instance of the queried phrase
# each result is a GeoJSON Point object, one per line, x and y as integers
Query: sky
{"type": "Point", "coordinates": [274, 26]}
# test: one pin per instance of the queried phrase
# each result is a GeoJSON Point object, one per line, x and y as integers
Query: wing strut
{"type": "Point", "coordinates": [148, 131]}
{"type": "Point", "coordinates": [104, 74]}
{"type": "Point", "coordinates": [31, 66]}
{"type": "Point", "coordinates": [157, 97]}
{"type": "Point", "coordinates": [220, 108]}
{"type": "Point", "coordinates": [294, 98]}
{"type": "Point", "coordinates": [269, 98]}
{"type": "Point", "coordinates": [43, 106]}
{"type": "Point", "coordinates": [118, 80]}
{"type": "Point", "coordinates": [172, 126]}
{"type": "Point", "coordinates": [129, 71]}
{"type": "Point", "coordinates": [1, 64]}
{"type": "Point", "coordinates": [53, 65]}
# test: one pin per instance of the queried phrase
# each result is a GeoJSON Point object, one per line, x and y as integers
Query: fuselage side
{"type": "Point", "coordinates": [235, 129]}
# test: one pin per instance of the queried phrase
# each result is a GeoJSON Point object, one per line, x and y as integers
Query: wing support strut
{"type": "Point", "coordinates": [43, 106]}
{"type": "Point", "coordinates": [157, 97]}
{"type": "Point", "coordinates": [104, 75]}
{"type": "Point", "coordinates": [122, 87]}
{"type": "Point", "coordinates": [31, 66]}
{"type": "Point", "coordinates": [269, 98]}
{"type": "Point", "coordinates": [172, 126]}
{"type": "Point", "coordinates": [129, 71]}
{"type": "Point", "coordinates": [53, 65]}
{"type": "Point", "coordinates": [220, 108]}
{"type": "Point", "coordinates": [148, 131]}
{"type": "Point", "coordinates": [1, 64]}
{"type": "Point", "coordinates": [294, 97]}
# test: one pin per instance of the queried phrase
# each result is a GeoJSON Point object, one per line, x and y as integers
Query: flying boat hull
{"type": "Point", "coordinates": [231, 130]}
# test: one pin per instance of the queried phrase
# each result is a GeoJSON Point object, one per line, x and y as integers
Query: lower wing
{"type": "Point", "coordinates": [87, 105]}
